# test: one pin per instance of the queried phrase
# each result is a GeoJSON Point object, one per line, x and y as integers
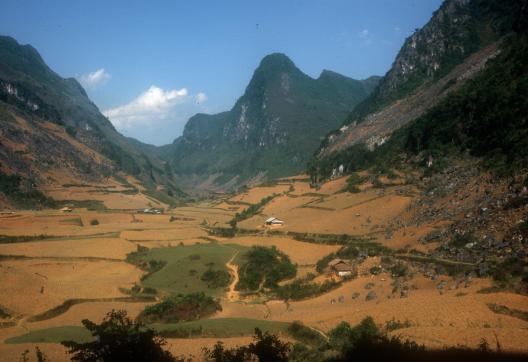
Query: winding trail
{"type": "Point", "coordinates": [232, 294]}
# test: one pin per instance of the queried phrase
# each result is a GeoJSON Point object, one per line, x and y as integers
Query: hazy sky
{"type": "Point", "coordinates": [150, 65]}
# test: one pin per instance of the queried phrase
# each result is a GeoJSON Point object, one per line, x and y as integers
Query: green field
{"type": "Point", "coordinates": [217, 328]}
{"type": "Point", "coordinates": [185, 266]}
{"type": "Point", "coordinates": [54, 335]}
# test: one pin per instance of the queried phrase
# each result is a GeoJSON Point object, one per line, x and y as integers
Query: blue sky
{"type": "Point", "coordinates": [150, 65]}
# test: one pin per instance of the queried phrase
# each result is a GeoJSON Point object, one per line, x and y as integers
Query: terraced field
{"type": "Point", "coordinates": [57, 269]}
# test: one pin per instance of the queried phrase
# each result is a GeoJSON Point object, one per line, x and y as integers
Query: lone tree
{"type": "Point", "coordinates": [118, 338]}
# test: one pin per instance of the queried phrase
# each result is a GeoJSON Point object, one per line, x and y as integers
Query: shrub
{"type": "Point", "coordinates": [375, 270]}
{"type": "Point", "coordinates": [216, 278]}
{"type": "Point", "coordinates": [460, 240]}
{"type": "Point", "coordinates": [352, 183]}
{"type": "Point", "coordinates": [178, 308]}
{"type": "Point", "coordinates": [399, 270]}
{"type": "Point", "coordinates": [94, 222]}
{"type": "Point", "coordinates": [300, 289]}
{"type": "Point", "coordinates": [394, 324]}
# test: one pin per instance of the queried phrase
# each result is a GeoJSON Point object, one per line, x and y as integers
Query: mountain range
{"type": "Point", "coordinates": [272, 129]}
{"type": "Point", "coordinates": [53, 134]}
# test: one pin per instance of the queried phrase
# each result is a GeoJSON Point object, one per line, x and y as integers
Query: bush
{"type": "Point", "coordinates": [178, 308]}
{"type": "Point", "coordinates": [394, 324]}
{"type": "Point", "coordinates": [353, 181]}
{"type": "Point", "coordinates": [460, 240]}
{"type": "Point", "coordinates": [94, 222]}
{"type": "Point", "coordinates": [216, 278]}
{"type": "Point", "coordinates": [300, 289]}
{"type": "Point", "coordinates": [399, 270]}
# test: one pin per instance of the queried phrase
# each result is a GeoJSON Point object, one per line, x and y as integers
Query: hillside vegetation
{"type": "Point", "coordinates": [486, 117]}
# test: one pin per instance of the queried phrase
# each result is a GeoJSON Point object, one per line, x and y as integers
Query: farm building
{"type": "Point", "coordinates": [342, 268]}
{"type": "Point", "coordinates": [272, 221]}
{"type": "Point", "coordinates": [66, 209]}
{"type": "Point", "coordinates": [157, 211]}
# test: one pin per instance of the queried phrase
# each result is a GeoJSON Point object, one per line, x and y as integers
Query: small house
{"type": "Point", "coordinates": [342, 268]}
{"type": "Point", "coordinates": [66, 209]}
{"type": "Point", "coordinates": [273, 221]}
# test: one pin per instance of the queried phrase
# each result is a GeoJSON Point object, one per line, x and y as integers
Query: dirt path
{"type": "Point", "coordinates": [232, 294]}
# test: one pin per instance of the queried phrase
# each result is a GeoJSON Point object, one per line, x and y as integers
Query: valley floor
{"type": "Point", "coordinates": [57, 269]}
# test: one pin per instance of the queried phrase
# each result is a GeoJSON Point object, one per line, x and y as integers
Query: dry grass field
{"type": "Point", "coordinates": [65, 257]}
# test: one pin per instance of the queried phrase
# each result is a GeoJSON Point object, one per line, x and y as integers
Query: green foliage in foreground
{"type": "Point", "coordinates": [180, 307]}
{"type": "Point", "coordinates": [264, 266]}
{"type": "Point", "coordinates": [118, 338]}
{"type": "Point", "coordinates": [265, 347]}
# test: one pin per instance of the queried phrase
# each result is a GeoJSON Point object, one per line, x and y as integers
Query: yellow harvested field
{"type": "Point", "coordinates": [433, 313]}
{"type": "Point", "coordinates": [242, 310]}
{"type": "Point", "coordinates": [211, 215]}
{"type": "Point", "coordinates": [114, 200]}
{"type": "Point", "coordinates": [299, 252]}
{"type": "Point", "coordinates": [63, 224]}
{"type": "Point", "coordinates": [88, 261]}
{"type": "Point", "coordinates": [510, 339]}
{"type": "Point", "coordinates": [33, 286]}
{"type": "Point", "coordinates": [358, 219]}
{"type": "Point", "coordinates": [256, 194]}
{"type": "Point", "coordinates": [112, 248]}
{"type": "Point", "coordinates": [174, 234]}
{"type": "Point", "coordinates": [333, 186]}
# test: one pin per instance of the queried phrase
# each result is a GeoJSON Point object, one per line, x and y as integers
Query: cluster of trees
{"type": "Point", "coordinates": [250, 211]}
{"type": "Point", "coordinates": [180, 307]}
{"type": "Point", "coordinates": [264, 267]}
